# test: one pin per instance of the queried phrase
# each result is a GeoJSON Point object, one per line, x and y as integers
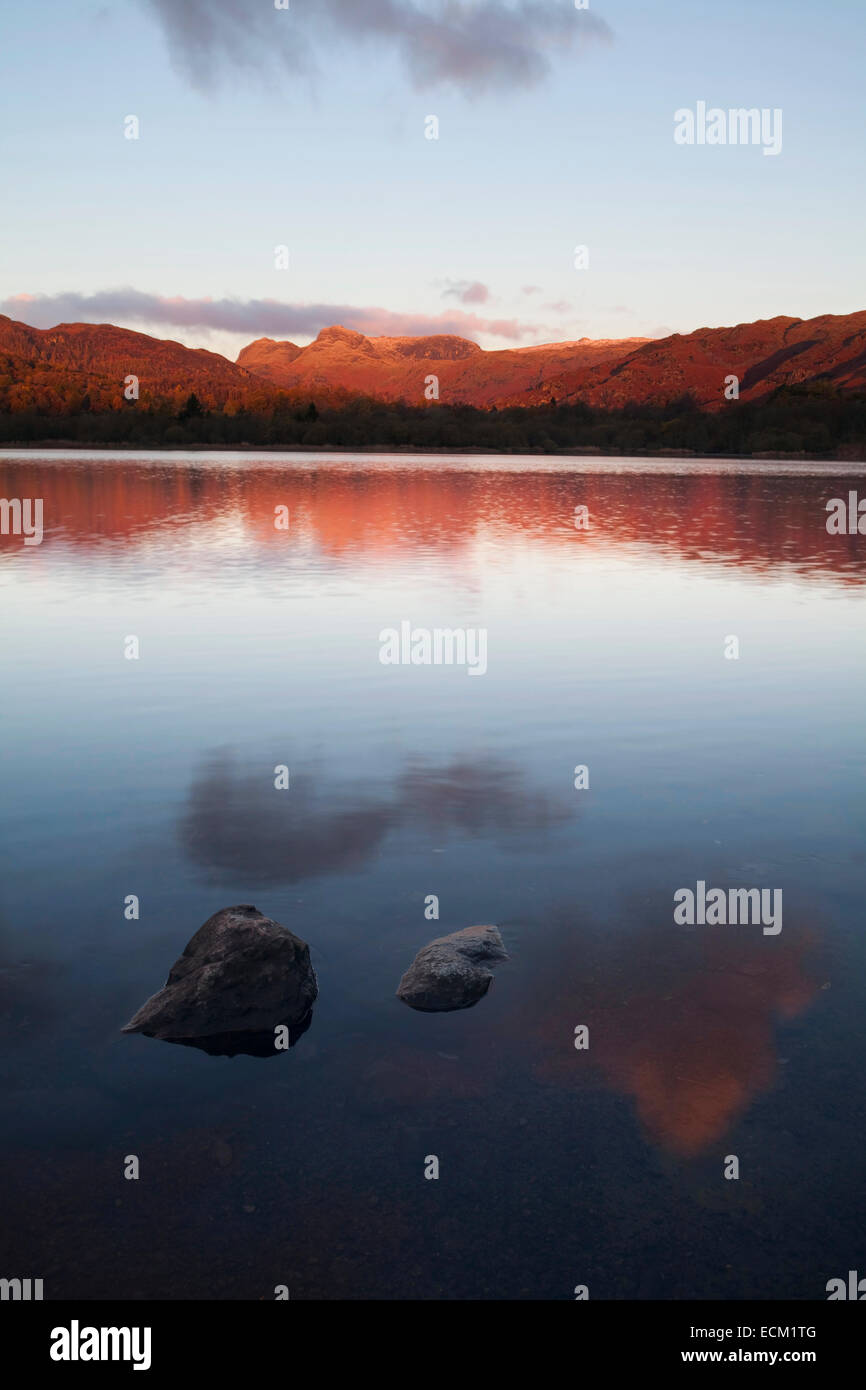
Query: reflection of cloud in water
{"type": "Point", "coordinates": [684, 1026]}
{"type": "Point", "coordinates": [238, 824]}
{"type": "Point", "coordinates": [476, 796]}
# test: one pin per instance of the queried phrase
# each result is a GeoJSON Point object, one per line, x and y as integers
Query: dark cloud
{"type": "Point", "coordinates": [475, 45]}
{"type": "Point", "coordinates": [253, 317]}
{"type": "Point", "coordinates": [204, 36]}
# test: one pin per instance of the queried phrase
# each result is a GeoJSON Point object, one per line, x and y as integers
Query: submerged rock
{"type": "Point", "coordinates": [240, 975]}
{"type": "Point", "coordinates": [449, 972]}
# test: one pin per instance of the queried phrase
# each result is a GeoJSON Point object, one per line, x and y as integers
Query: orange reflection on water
{"type": "Point", "coordinates": [690, 1036]}
{"type": "Point", "coordinates": [762, 522]}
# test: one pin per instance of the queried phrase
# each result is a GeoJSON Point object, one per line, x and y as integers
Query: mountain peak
{"type": "Point", "coordinates": [338, 334]}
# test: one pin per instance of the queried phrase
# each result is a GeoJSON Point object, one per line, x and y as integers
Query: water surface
{"type": "Point", "coordinates": [260, 647]}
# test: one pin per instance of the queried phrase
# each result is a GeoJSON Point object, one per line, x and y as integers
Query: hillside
{"type": "Point", "coordinates": [78, 367]}
{"type": "Point", "coordinates": [55, 369]}
{"type": "Point", "coordinates": [604, 374]}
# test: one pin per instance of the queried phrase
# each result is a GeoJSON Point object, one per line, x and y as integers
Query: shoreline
{"type": "Point", "coordinates": [66, 445]}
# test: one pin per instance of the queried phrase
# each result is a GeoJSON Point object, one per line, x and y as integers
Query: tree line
{"type": "Point", "coordinates": [815, 418]}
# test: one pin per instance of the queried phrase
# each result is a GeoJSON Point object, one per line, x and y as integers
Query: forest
{"type": "Point", "coordinates": [814, 419]}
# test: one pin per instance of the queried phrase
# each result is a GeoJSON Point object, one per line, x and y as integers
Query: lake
{"type": "Point", "coordinates": [694, 640]}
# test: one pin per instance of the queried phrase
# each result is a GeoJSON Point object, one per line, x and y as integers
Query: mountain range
{"type": "Point", "coordinates": [84, 366]}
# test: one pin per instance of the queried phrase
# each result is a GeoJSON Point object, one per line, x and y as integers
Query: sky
{"type": "Point", "coordinates": [306, 128]}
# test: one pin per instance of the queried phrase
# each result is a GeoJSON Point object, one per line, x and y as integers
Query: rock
{"type": "Point", "coordinates": [240, 976]}
{"type": "Point", "coordinates": [449, 973]}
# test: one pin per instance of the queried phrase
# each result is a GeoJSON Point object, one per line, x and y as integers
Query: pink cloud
{"type": "Point", "coordinates": [256, 318]}
{"type": "Point", "coordinates": [467, 291]}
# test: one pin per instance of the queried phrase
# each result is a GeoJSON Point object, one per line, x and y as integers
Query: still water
{"type": "Point", "coordinates": [606, 648]}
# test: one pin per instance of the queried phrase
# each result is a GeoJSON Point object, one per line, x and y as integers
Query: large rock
{"type": "Point", "coordinates": [449, 973]}
{"type": "Point", "coordinates": [240, 974]}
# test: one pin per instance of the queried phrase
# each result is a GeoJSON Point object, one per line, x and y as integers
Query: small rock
{"type": "Point", "coordinates": [449, 972]}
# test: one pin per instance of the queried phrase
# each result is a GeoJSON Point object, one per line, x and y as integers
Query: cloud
{"type": "Point", "coordinates": [467, 291]}
{"type": "Point", "coordinates": [474, 45]}
{"type": "Point", "coordinates": [253, 317]}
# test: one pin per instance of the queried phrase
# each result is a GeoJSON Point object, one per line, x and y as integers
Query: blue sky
{"type": "Point", "coordinates": [324, 151]}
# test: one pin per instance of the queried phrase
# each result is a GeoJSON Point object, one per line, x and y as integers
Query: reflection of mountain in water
{"type": "Point", "coordinates": [236, 825]}
{"type": "Point", "coordinates": [759, 522]}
